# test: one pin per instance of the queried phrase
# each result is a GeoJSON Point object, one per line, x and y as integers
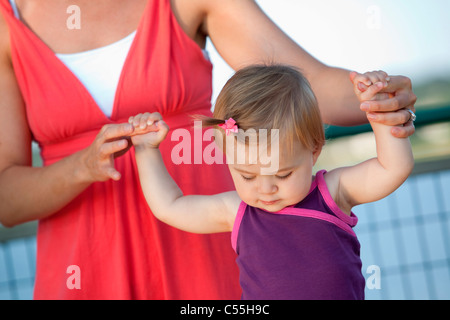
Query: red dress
{"type": "Point", "coordinates": [108, 232]}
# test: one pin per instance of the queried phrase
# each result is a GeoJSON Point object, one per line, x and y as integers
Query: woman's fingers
{"type": "Point", "coordinates": [399, 117]}
{"type": "Point", "coordinates": [401, 89]}
{"type": "Point", "coordinates": [108, 149]}
{"type": "Point", "coordinates": [388, 105]}
{"type": "Point", "coordinates": [114, 131]}
{"type": "Point", "coordinates": [99, 156]}
{"type": "Point", "coordinates": [104, 162]}
{"type": "Point", "coordinates": [399, 83]}
{"type": "Point", "coordinates": [113, 173]}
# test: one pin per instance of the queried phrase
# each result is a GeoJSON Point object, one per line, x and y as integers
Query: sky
{"type": "Point", "coordinates": [407, 37]}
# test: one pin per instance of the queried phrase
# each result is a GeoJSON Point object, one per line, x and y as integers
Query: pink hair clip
{"type": "Point", "coordinates": [229, 126]}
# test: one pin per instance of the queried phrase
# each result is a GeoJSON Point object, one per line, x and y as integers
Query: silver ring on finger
{"type": "Point", "coordinates": [413, 116]}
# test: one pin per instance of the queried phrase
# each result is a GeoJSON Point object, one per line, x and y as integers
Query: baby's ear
{"type": "Point", "coordinates": [316, 154]}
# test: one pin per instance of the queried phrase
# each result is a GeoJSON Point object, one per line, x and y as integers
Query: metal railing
{"type": "Point", "coordinates": [406, 236]}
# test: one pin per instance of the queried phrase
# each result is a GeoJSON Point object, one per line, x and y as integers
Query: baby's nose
{"type": "Point", "coordinates": [266, 186]}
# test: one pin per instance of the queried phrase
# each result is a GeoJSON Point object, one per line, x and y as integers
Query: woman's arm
{"type": "Point", "coordinates": [193, 213]}
{"type": "Point", "coordinates": [376, 178]}
{"type": "Point", "coordinates": [28, 193]}
{"type": "Point", "coordinates": [243, 34]}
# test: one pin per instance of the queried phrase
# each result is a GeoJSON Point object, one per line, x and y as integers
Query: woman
{"type": "Point", "coordinates": [87, 198]}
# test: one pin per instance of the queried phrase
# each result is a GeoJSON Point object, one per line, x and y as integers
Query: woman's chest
{"type": "Point", "coordinates": [82, 25]}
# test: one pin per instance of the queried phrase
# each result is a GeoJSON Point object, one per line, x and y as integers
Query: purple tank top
{"type": "Point", "coordinates": [306, 251]}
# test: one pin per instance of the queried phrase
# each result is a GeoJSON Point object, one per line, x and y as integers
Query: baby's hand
{"type": "Point", "coordinates": [149, 130]}
{"type": "Point", "coordinates": [367, 86]}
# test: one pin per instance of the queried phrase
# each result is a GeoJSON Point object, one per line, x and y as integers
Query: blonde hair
{"type": "Point", "coordinates": [271, 97]}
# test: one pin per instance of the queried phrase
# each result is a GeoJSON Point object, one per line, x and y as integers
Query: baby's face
{"type": "Point", "coordinates": [286, 186]}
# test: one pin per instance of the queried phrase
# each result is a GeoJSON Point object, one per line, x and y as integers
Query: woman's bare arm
{"type": "Point", "coordinates": [243, 35]}
{"type": "Point", "coordinates": [28, 193]}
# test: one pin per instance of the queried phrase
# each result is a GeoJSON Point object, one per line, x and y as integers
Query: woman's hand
{"type": "Point", "coordinates": [114, 140]}
{"type": "Point", "coordinates": [149, 130]}
{"type": "Point", "coordinates": [111, 142]}
{"type": "Point", "coordinates": [393, 110]}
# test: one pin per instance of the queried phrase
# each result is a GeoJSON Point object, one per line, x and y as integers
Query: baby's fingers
{"type": "Point", "coordinates": [356, 77]}
{"type": "Point", "coordinates": [144, 123]}
{"type": "Point", "coordinates": [162, 126]}
{"type": "Point", "coordinates": [139, 120]}
{"type": "Point", "coordinates": [372, 91]}
{"type": "Point", "coordinates": [363, 81]}
{"type": "Point", "coordinates": [148, 119]}
{"type": "Point", "coordinates": [378, 76]}
{"type": "Point", "coordinates": [163, 129]}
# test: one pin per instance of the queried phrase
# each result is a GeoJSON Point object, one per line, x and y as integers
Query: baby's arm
{"type": "Point", "coordinates": [193, 213]}
{"type": "Point", "coordinates": [376, 178]}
